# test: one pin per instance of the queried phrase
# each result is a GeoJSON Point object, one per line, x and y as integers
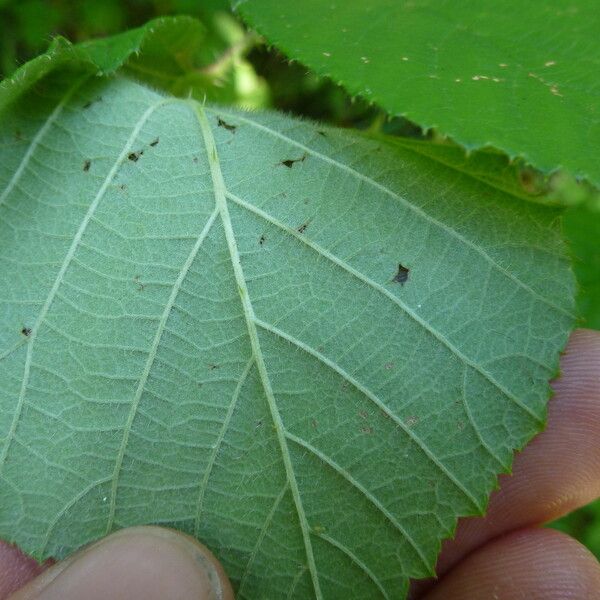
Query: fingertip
{"type": "Point", "coordinates": [538, 564]}
{"type": "Point", "coordinates": [580, 366]}
{"type": "Point", "coordinates": [145, 563]}
{"type": "Point", "coordinates": [16, 569]}
{"type": "Point", "coordinates": [558, 472]}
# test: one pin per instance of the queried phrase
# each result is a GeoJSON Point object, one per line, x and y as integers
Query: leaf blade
{"type": "Point", "coordinates": [148, 321]}
{"type": "Point", "coordinates": [434, 62]}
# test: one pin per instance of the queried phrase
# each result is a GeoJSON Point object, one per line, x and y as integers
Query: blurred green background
{"type": "Point", "coordinates": [241, 69]}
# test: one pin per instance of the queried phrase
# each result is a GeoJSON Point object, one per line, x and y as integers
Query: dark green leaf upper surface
{"type": "Point", "coordinates": [522, 77]}
{"type": "Point", "coordinates": [159, 53]}
{"type": "Point", "coordinates": [582, 230]}
{"type": "Point", "coordinates": [310, 349]}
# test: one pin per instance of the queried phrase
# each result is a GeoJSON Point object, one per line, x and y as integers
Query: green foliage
{"type": "Point", "coordinates": [232, 323]}
{"type": "Point", "coordinates": [581, 223]}
{"type": "Point", "coordinates": [207, 322]}
{"type": "Point", "coordinates": [517, 77]}
{"type": "Point", "coordinates": [584, 524]}
{"type": "Point", "coordinates": [161, 40]}
{"type": "Point", "coordinates": [27, 26]}
{"type": "Point", "coordinates": [582, 228]}
{"type": "Point", "coordinates": [512, 176]}
{"type": "Point", "coordinates": [167, 53]}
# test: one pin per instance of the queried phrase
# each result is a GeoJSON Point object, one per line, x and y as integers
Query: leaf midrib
{"type": "Point", "coordinates": [221, 202]}
{"type": "Point", "coordinates": [222, 211]}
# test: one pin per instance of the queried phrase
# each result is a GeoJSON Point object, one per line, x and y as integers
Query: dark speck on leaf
{"type": "Point", "coordinates": [135, 156]}
{"type": "Point", "coordinates": [226, 125]}
{"type": "Point", "coordinates": [401, 276]}
{"type": "Point", "coordinates": [212, 367]}
{"type": "Point", "coordinates": [26, 331]}
{"type": "Point", "coordinates": [86, 165]}
{"type": "Point", "coordinates": [303, 227]}
{"type": "Point", "coordinates": [195, 159]}
{"type": "Point", "coordinates": [154, 143]}
{"type": "Point", "coordinates": [262, 239]}
{"type": "Point", "coordinates": [530, 181]}
{"type": "Point", "coordinates": [321, 133]}
{"type": "Point", "coordinates": [289, 162]}
{"type": "Point", "coordinates": [90, 102]}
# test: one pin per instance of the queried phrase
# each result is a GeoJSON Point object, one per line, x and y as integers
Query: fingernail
{"type": "Point", "coordinates": [148, 563]}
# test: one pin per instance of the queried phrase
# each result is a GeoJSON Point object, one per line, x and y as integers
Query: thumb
{"type": "Point", "coordinates": [141, 563]}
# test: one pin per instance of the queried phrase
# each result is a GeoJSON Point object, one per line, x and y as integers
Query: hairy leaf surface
{"type": "Point", "coordinates": [167, 53]}
{"type": "Point", "coordinates": [582, 229]}
{"type": "Point", "coordinates": [520, 77]}
{"type": "Point", "coordinates": [310, 349]}
{"type": "Point", "coordinates": [511, 176]}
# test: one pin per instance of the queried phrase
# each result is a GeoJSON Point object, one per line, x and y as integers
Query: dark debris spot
{"type": "Point", "coordinates": [290, 162]}
{"type": "Point", "coordinates": [86, 165]}
{"type": "Point", "coordinates": [262, 239]}
{"type": "Point", "coordinates": [135, 156]}
{"type": "Point", "coordinates": [123, 187]}
{"type": "Point", "coordinates": [226, 125]}
{"type": "Point", "coordinates": [531, 181]}
{"type": "Point", "coordinates": [195, 160]}
{"type": "Point", "coordinates": [322, 133]}
{"type": "Point", "coordinates": [26, 331]}
{"type": "Point", "coordinates": [154, 143]}
{"type": "Point", "coordinates": [303, 227]}
{"type": "Point", "coordinates": [401, 276]}
{"type": "Point", "coordinates": [140, 285]}
{"type": "Point", "coordinates": [90, 102]}
{"type": "Point", "coordinates": [212, 366]}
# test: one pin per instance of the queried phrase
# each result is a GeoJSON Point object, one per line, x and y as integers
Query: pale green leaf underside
{"type": "Point", "coordinates": [197, 334]}
{"type": "Point", "coordinates": [522, 77]}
